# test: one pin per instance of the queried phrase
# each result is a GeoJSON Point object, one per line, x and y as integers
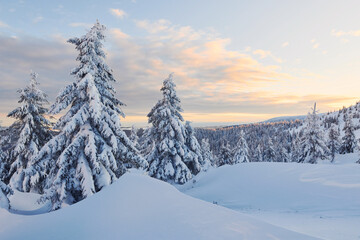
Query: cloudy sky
{"type": "Point", "coordinates": [233, 61]}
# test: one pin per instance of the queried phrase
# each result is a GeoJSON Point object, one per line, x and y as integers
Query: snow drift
{"type": "Point", "coordinates": [139, 207]}
{"type": "Point", "coordinates": [321, 200]}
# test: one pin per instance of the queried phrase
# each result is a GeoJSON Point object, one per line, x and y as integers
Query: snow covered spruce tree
{"type": "Point", "coordinates": [207, 154]}
{"type": "Point", "coordinates": [333, 141]}
{"type": "Point", "coordinates": [225, 155]}
{"type": "Point", "coordinates": [194, 153]}
{"type": "Point", "coordinates": [3, 170]}
{"type": "Point", "coordinates": [134, 138]}
{"type": "Point", "coordinates": [348, 140]}
{"type": "Point", "coordinates": [258, 154]}
{"type": "Point", "coordinates": [5, 192]}
{"type": "Point", "coordinates": [169, 158]}
{"type": "Point", "coordinates": [269, 151]}
{"type": "Point", "coordinates": [241, 154]}
{"type": "Point", "coordinates": [34, 133]}
{"type": "Point", "coordinates": [312, 146]}
{"type": "Point", "coordinates": [90, 151]}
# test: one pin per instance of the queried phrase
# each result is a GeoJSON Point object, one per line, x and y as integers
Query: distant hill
{"type": "Point", "coordinates": [285, 118]}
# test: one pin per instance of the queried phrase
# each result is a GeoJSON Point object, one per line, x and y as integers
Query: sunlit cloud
{"type": "Point", "coordinates": [285, 44]}
{"type": "Point", "coordinates": [315, 44]}
{"type": "Point", "coordinates": [215, 82]}
{"type": "Point", "coordinates": [118, 12]}
{"type": "Point", "coordinates": [339, 33]}
{"type": "Point", "coordinates": [263, 54]}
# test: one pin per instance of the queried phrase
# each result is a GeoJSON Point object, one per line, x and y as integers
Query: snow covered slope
{"type": "Point", "coordinates": [320, 200]}
{"type": "Point", "coordinates": [139, 207]}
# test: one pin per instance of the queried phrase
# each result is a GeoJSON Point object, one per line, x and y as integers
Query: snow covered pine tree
{"type": "Point", "coordinates": [241, 154]}
{"type": "Point", "coordinates": [91, 150]}
{"type": "Point", "coordinates": [5, 191]}
{"type": "Point", "coordinates": [168, 159]}
{"type": "Point", "coordinates": [34, 134]}
{"type": "Point", "coordinates": [348, 140]}
{"type": "Point", "coordinates": [312, 146]}
{"type": "Point", "coordinates": [225, 155]}
{"type": "Point", "coordinates": [333, 142]}
{"type": "Point", "coordinates": [207, 153]}
{"type": "Point", "coordinates": [194, 153]}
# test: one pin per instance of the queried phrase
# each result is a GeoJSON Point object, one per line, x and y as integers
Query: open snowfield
{"type": "Point", "coordinates": [139, 207]}
{"type": "Point", "coordinates": [320, 200]}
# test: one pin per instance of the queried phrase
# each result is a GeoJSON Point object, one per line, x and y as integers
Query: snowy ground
{"type": "Point", "coordinates": [320, 200]}
{"type": "Point", "coordinates": [139, 207]}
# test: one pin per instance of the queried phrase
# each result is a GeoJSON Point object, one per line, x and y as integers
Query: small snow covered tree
{"type": "Point", "coordinates": [269, 151]}
{"type": "Point", "coordinates": [333, 141]}
{"type": "Point", "coordinates": [258, 154]}
{"type": "Point", "coordinates": [281, 154]}
{"type": "Point", "coordinates": [91, 150]}
{"type": "Point", "coordinates": [146, 142]}
{"type": "Point", "coordinates": [169, 159]}
{"type": "Point", "coordinates": [312, 146]}
{"type": "Point", "coordinates": [241, 153]}
{"type": "Point", "coordinates": [3, 170]}
{"type": "Point", "coordinates": [5, 191]}
{"type": "Point", "coordinates": [34, 133]}
{"type": "Point", "coordinates": [207, 154]}
{"type": "Point", "coordinates": [348, 140]}
{"type": "Point", "coordinates": [193, 154]}
{"type": "Point", "coordinates": [134, 138]}
{"type": "Point", "coordinates": [295, 148]}
{"type": "Point", "coordinates": [225, 155]}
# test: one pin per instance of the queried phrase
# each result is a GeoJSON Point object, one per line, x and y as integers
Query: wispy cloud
{"type": "Point", "coordinates": [285, 44]}
{"type": "Point", "coordinates": [264, 54]}
{"type": "Point", "coordinates": [339, 33]}
{"type": "Point", "coordinates": [315, 44]}
{"type": "Point", "coordinates": [3, 25]}
{"type": "Point", "coordinates": [118, 12]}
{"type": "Point", "coordinates": [211, 77]}
{"type": "Point", "coordinates": [38, 19]}
{"type": "Point", "coordinates": [80, 24]}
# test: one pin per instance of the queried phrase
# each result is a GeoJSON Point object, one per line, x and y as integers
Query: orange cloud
{"type": "Point", "coordinates": [118, 12]}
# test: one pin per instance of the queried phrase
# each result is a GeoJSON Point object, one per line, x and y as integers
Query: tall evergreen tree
{"type": "Point", "coordinates": [168, 158]}
{"type": "Point", "coordinates": [312, 146]}
{"type": "Point", "coordinates": [91, 151]}
{"type": "Point", "coordinates": [348, 140]}
{"type": "Point", "coordinates": [34, 133]}
{"type": "Point", "coordinates": [333, 142]}
{"type": "Point", "coordinates": [241, 153]}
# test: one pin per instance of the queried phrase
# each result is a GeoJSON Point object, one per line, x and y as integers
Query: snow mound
{"type": "Point", "coordinates": [320, 200]}
{"type": "Point", "coordinates": [27, 204]}
{"type": "Point", "coordinates": [139, 207]}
